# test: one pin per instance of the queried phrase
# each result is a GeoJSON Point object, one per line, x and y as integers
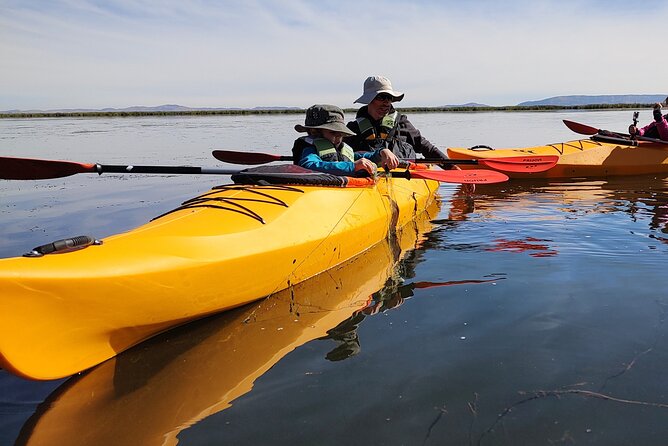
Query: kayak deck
{"type": "Point", "coordinates": [63, 313]}
{"type": "Point", "coordinates": [582, 158]}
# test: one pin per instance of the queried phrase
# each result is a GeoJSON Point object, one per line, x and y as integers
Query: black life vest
{"type": "Point", "coordinates": [387, 135]}
{"type": "Point", "coordinates": [387, 125]}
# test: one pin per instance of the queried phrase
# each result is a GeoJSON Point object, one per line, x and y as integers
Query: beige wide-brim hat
{"type": "Point", "coordinates": [324, 116]}
{"type": "Point", "coordinates": [375, 85]}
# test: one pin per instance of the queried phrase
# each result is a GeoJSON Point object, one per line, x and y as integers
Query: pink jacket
{"type": "Point", "coordinates": [662, 127]}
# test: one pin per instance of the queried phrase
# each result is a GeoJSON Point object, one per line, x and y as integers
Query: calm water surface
{"type": "Point", "coordinates": [532, 312]}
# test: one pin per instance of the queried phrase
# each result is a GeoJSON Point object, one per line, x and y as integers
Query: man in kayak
{"type": "Point", "coordinates": [323, 148]}
{"type": "Point", "coordinates": [657, 129]}
{"type": "Point", "coordinates": [379, 125]}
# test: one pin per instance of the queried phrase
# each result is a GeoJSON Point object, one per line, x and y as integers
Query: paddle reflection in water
{"type": "Point", "coordinates": [151, 393]}
{"type": "Point", "coordinates": [391, 296]}
{"type": "Point", "coordinates": [641, 197]}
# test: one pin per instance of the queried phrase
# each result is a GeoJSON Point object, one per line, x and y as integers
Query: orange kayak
{"type": "Point", "coordinates": [582, 158]}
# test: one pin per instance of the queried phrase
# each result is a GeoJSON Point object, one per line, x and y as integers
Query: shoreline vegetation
{"type": "Point", "coordinates": [292, 111]}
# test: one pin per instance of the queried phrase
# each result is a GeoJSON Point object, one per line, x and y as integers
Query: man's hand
{"type": "Point", "coordinates": [388, 159]}
{"type": "Point", "coordinates": [467, 188]}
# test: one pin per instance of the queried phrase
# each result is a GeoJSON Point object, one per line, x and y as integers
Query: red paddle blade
{"type": "Point", "coordinates": [247, 158]}
{"type": "Point", "coordinates": [524, 164]}
{"type": "Point", "coordinates": [580, 128]}
{"type": "Point", "coordinates": [37, 169]}
{"type": "Point", "coordinates": [472, 176]}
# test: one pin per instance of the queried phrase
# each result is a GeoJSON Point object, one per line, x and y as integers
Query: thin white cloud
{"type": "Point", "coordinates": [88, 53]}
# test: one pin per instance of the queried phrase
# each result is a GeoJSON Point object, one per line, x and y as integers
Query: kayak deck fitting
{"type": "Point", "coordinates": [63, 313]}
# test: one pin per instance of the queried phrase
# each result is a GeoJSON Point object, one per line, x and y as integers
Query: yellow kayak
{"type": "Point", "coordinates": [63, 313]}
{"type": "Point", "coordinates": [582, 158]}
{"type": "Point", "coordinates": [196, 372]}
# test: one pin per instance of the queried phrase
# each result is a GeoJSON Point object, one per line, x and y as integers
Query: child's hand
{"type": "Point", "coordinates": [388, 159]}
{"type": "Point", "coordinates": [365, 164]}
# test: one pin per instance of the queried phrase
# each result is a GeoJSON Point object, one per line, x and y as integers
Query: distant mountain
{"type": "Point", "coordinates": [468, 105]}
{"type": "Point", "coordinates": [600, 99]}
{"type": "Point", "coordinates": [139, 108]}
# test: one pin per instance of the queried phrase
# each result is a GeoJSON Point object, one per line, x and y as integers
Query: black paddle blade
{"type": "Point", "coordinates": [37, 169]}
{"type": "Point", "coordinates": [247, 158]}
{"type": "Point", "coordinates": [580, 128]}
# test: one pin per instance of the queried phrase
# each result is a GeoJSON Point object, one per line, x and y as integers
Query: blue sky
{"type": "Point", "coordinates": [87, 53]}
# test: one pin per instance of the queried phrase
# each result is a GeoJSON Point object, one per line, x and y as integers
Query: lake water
{"type": "Point", "coordinates": [532, 312]}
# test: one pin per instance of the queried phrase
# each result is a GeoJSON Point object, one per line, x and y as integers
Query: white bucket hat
{"type": "Point", "coordinates": [374, 85]}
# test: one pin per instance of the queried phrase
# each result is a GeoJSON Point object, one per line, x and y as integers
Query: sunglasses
{"type": "Point", "coordinates": [384, 97]}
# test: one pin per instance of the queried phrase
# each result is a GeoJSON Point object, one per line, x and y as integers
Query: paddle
{"type": "Point", "coordinates": [582, 128]}
{"type": "Point", "coordinates": [588, 130]}
{"type": "Point", "coordinates": [39, 169]}
{"type": "Point", "coordinates": [528, 164]}
{"type": "Point", "coordinates": [473, 176]}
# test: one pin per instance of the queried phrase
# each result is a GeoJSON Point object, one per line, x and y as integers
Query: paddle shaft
{"type": "Point", "coordinates": [176, 170]}
{"type": "Point", "coordinates": [524, 163]}
{"type": "Point", "coordinates": [40, 169]}
{"type": "Point", "coordinates": [252, 158]}
{"type": "Point", "coordinates": [475, 176]}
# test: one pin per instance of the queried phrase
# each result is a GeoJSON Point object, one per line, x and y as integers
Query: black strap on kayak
{"type": "Point", "coordinates": [233, 204]}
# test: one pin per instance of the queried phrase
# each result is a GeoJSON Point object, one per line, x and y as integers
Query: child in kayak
{"type": "Point", "coordinates": [323, 148]}
{"type": "Point", "coordinates": [657, 129]}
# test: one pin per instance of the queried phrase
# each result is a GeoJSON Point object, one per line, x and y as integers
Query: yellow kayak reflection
{"type": "Point", "coordinates": [149, 394]}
